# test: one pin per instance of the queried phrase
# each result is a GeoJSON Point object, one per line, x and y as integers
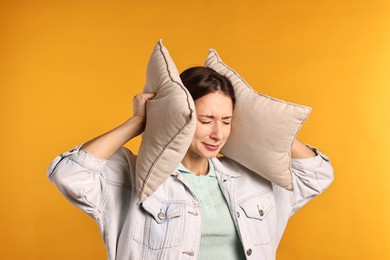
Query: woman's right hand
{"type": "Point", "coordinates": [106, 144]}
{"type": "Point", "coordinates": [139, 104]}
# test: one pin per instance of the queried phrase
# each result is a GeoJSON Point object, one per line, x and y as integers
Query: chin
{"type": "Point", "coordinates": [210, 155]}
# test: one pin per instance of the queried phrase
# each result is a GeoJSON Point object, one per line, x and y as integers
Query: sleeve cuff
{"type": "Point", "coordinates": [309, 163]}
{"type": "Point", "coordinates": [85, 159]}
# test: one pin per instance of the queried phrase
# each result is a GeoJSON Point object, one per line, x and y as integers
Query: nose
{"type": "Point", "coordinates": [216, 132]}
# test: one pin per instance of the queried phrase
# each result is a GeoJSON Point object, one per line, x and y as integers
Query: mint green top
{"type": "Point", "coordinates": [219, 238]}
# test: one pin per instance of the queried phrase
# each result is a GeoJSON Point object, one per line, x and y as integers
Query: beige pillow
{"type": "Point", "coordinates": [263, 128]}
{"type": "Point", "coordinates": [170, 125]}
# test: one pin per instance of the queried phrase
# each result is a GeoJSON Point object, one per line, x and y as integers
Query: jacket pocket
{"type": "Point", "coordinates": [159, 224]}
{"type": "Point", "coordinates": [259, 218]}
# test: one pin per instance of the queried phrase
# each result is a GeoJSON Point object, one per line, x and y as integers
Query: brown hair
{"type": "Point", "coordinates": [201, 81]}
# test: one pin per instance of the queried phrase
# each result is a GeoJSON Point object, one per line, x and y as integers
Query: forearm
{"type": "Point", "coordinates": [301, 151]}
{"type": "Point", "coordinates": [104, 146]}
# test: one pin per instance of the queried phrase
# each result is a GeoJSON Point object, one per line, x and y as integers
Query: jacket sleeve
{"type": "Point", "coordinates": [310, 177]}
{"type": "Point", "coordinates": [83, 178]}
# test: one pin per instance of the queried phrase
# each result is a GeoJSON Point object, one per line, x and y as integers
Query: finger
{"type": "Point", "coordinates": [144, 96]}
{"type": "Point", "coordinates": [137, 96]}
{"type": "Point", "coordinates": [147, 96]}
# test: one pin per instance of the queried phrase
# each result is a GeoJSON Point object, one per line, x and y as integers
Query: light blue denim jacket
{"type": "Point", "coordinates": [167, 224]}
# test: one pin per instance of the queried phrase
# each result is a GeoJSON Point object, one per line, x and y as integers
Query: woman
{"type": "Point", "coordinates": [209, 208]}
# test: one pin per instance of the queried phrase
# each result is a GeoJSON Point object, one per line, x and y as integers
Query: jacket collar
{"type": "Point", "coordinates": [211, 173]}
{"type": "Point", "coordinates": [219, 167]}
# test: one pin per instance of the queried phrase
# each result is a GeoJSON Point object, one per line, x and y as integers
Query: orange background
{"type": "Point", "coordinates": [69, 70]}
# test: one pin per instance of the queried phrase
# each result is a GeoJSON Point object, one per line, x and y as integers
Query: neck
{"type": "Point", "coordinates": [196, 164]}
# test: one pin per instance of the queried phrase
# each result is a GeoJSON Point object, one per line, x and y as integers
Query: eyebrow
{"type": "Point", "coordinates": [213, 117]}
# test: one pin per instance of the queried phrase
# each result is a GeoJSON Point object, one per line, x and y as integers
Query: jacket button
{"type": "Point", "coordinates": [194, 213]}
{"type": "Point", "coordinates": [238, 214]}
{"type": "Point", "coordinates": [161, 215]}
{"type": "Point", "coordinates": [249, 251]}
{"type": "Point", "coordinates": [261, 212]}
{"type": "Point", "coordinates": [189, 253]}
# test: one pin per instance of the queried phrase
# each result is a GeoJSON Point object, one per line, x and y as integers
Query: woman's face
{"type": "Point", "coordinates": [214, 116]}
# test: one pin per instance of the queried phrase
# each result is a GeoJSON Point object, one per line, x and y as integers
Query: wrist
{"type": "Point", "coordinates": [135, 125]}
{"type": "Point", "coordinates": [137, 119]}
